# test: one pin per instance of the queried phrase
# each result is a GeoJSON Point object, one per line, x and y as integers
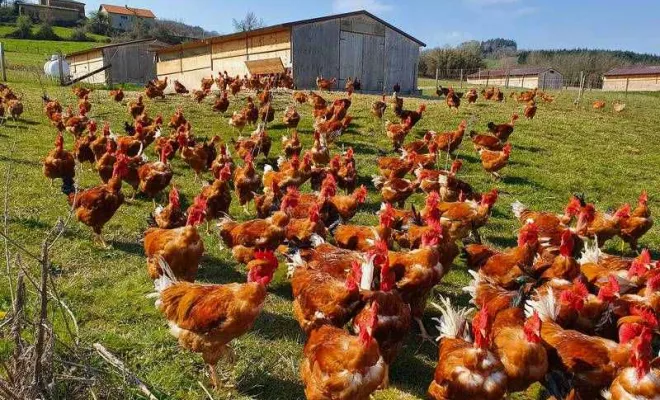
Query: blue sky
{"type": "Point", "coordinates": [540, 24]}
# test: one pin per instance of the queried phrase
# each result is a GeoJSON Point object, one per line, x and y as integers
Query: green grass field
{"type": "Point", "coordinates": [565, 149]}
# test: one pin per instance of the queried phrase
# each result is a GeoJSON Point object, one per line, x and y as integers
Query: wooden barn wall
{"type": "Point", "coordinates": [550, 80]}
{"type": "Point", "coordinates": [84, 63]}
{"type": "Point", "coordinates": [635, 83]}
{"type": "Point", "coordinates": [401, 61]}
{"type": "Point", "coordinates": [191, 65]}
{"type": "Point", "coordinates": [130, 64]}
{"type": "Point", "coordinates": [315, 52]}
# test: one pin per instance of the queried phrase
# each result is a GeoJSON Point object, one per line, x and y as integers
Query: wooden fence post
{"type": "Point", "coordinates": [2, 62]}
{"type": "Point", "coordinates": [60, 67]}
{"type": "Point", "coordinates": [487, 77]}
{"type": "Point", "coordinates": [522, 82]}
{"type": "Point", "coordinates": [627, 82]}
{"type": "Point", "coordinates": [506, 81]}
{"type": "Point", "coordinates": [437, 71]}
{"type": "Point", "coordinates": [461, 78]}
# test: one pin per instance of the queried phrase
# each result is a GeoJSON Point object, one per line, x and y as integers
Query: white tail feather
{"type": "Point", "coordinates": [590, 254]}
{"type": "Point", "coordinates": [367, 273]}
{"type": "Point", "coordinates": [164, 281]}
{"type": "Point", "coordinates": [280, 161]}
{"type": "Point", "coordinates": [267, 168]}
{"type": "Point", "coordinates": [316, 240]}
{"type": "Point", "coordinates": [453, 321]}
{"type": "Point", "coordinates": [296, 261]}
{"type": "Point", "coordinates": [518, 208]}
{"type": "Point", "coordinates": [474, 284]}
{"type": "Point", "coordinates": [378, 181]}
{"type": "Point", "coordinates": [546, 306]}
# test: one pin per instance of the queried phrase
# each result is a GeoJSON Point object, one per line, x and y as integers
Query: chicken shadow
{"type": "Point", "coordinates": [522, 181]}
{"type": "Point", "coordinates": [272, 326]}
{"type": "Point", "coordinates": [409, 367]}
{"type": "Point", "coordinates": [217, 271]}
{"type": "Point", "coordinates": [130, 247]}
{"type": "Point", "coordinates": [20, 161]}
{"type": "Point", "coordinates": [263, 386]}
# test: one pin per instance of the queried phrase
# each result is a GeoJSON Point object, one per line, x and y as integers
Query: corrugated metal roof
{"type": "Point", "coordinates": [126, 10]}
{"type": "Point", "coordinates": [502, 72]}
{"type": "Point", "coordinates": [272, 28]}
{"type": "Point", "coordinates": [156, 43]}
{"type": "Point", "coordinates": [635, 70]}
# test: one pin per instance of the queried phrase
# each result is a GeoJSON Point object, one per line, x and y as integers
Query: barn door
{"type": "Point", "coordinates": [350, 57]}
{"type": "Point", "coordinates": [373, 63]}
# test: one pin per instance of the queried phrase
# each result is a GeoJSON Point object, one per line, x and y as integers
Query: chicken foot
{"type": "Point", "coordinates": [424, 333]}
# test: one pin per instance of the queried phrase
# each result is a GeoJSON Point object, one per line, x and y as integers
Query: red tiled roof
{"type": "Point", "coordinates": [635, 70]}
{"type": "Point", "coordinates": [125, 10]}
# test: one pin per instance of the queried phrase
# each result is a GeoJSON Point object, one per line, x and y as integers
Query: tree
{"type": "Point", "coordinates": [23, 27]}
{"type": "Point", "coordinates": [249, 23]}
{"type": "Point", "coordinates": [99, 23]}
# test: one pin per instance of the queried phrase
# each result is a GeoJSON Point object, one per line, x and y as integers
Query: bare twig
{"type": "Point", "coordinates": [205, 390]}
{"type": "Point", "coordinates": [5, 222]}
{"type": "Point", "coordinates": [64, 308]}
{"type": "Point", "coordinates": [20, 247]}
{"type": "Point", "coordinates": [43, 318]}
{"type": "Point", "coordinates": [7, 391]}
{"type": "Point", "coordinates": [117, 363]}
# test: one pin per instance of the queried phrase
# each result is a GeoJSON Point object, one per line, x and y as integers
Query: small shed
{"type": "Point", "coordinates": [524, 77]}
{"type": "Point", "coordinates": [356, 44]}
{"type": "Point", "coordinates": [633, 78]}
{"type": "Point", "coordinates": [127, 62]}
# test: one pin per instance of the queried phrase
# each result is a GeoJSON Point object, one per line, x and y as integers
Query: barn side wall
{"type": "Point", "coordinates": [635, 83]}
{"type": "Point", "coordinates": [84, 63]}
{"type": "Point", "coordinates": [401, 61]}
{"type": "Point", "coordinates": [189, 66]}
{"type": "Point", "coordinates": [130, 64]}
{"type": "Point", "coordinates": [550, 79]}
{"type": "Point", "coordinates": [315, 52]}
{"type": "Point", "coordinates": [529, 82]}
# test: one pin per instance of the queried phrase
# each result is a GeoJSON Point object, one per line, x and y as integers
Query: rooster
{"type": "Point", "coordinates": [639, 222]}
{"type": "Point", "coordinates": [517, 343]}
{"type": "Point", "coordinates": [494, 161]}
{"type": "Point", "coordinates": [503, 131]}
{"type": "Point", "coordinates": [337, 365]}
{"type": "Point", "coordinates": [96, 206]}
{"type": "Point", "coordinates": [325, 84]}
{"type": "Point", "coordinates": [378, 108]}
{"type": "Point", "coordinates": [179, 88]}
{"type": "Point", "coordinates": [362, 238]}
{"type": "Point", "coordinates": [181, 248]}
{"type": "Point", "coordinates": [170, 216]}
{"type": "Point", "coordinates": [117, 95]}
{"type": "Point", "coordinates": [642, 379]}
{"type": "Point", "coordinates": [395, 190]}
{"type": "Point", "coordinates": [506, 268]}
{"type": "Point", "coordinates": [82, 149]}
{"type": "Point", "coordinates": [466, 370]}
{"type": "Point", "coordinates": [136, 108]}
{"type": "Point", "coordinates": [291, 118]}
{"type": "Point", "coordinates": [199, 157]}
{"type": "Point", "coordinates": [414, 116]}
{"type": "Point", "coordinates": [471, 96]}
{"type": "Point", "coordinates": [59, 163]}
{"type": "Point", "coordinates": [81, 92]}
{"type": "Point", "coordinates": [156, 176]}
{"type": "Point", "coordinates": [206, 318]}
{"type": "Point", "coordinates": [99, 145]}
{"type": "Point", "coordinates": [344, 207]}
{"type": "Point", "coordinates": [218, 196]}
{"type": "Point", "coordinates": [452, 100]}
{"type": "Point", "coordinates": [551, 225]}
{"type": "Point", "coordinates": [450, 141]}
{"type": "Point", "coordinates": [223, 159]}
{"type": "Point", "coordinates": [593, 361]}
{"type": "Point", "coordinates": [292, 146]}
{"type": "Point", "coordinates": [200, 95]}
{"type": "Point", "coordinates": [466, 217]}
{"type": "Point", "coordinates": [530, 110]}
{"type": "Point", "coordinates": [602, 226]}
{"type": "Point", "coordinates": [296, 175]}
{"type": "Point", "coordinates": [246, 182]}
{"type": "Point", "coordinates": [397, 132]}
{"type": "Point", "coordinates": [323, 296]}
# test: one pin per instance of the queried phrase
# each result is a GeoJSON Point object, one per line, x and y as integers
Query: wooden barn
{"type": "Point", "coordinates": [356, 44]}
{"type": "Point", "coordinates": [524, 77]}
{"type": "Point", "coordinates": [128, 62]}
{"type": "Point", "coordinates": [633, 78]}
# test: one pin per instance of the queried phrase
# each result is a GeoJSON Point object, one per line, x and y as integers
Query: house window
{"type": "Point", "coordinates": [124, 17]}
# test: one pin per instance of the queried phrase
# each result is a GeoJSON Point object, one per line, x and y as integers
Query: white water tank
{"type": "Point", "coordinates": [51, 68]}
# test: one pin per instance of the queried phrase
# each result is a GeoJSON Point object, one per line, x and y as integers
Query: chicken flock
{"type": "Point", "coordinates": [554, 309]}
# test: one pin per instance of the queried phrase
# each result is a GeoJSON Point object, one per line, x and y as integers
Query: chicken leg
{"type": "Point", "coordinates": [424, 334]}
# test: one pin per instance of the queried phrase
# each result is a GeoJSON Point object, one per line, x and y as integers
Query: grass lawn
{"type": "Point", "coordinates": [565, 149]}
{"type": "Point", "coordinates": [63, 32]}
{"type": "Point", "coordinates": [22, 53]}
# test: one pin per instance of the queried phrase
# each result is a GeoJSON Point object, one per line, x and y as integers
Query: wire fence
{"type": "Point", "coordinates": [516, 77]}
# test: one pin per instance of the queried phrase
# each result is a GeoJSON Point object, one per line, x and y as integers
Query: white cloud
{"type": "Point", "coordinates": [340, 6]}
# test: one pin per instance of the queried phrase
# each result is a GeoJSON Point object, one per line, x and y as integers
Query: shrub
{"type": "Point", "coordinates": [23, 27]}
{"type": "Point", "coordinates": [46, 32]}
{"type": "Point", "coordinates": [79, 35]}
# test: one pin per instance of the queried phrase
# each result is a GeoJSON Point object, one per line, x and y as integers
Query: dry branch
{"type": "Point", "coordinates": [117, 363]}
